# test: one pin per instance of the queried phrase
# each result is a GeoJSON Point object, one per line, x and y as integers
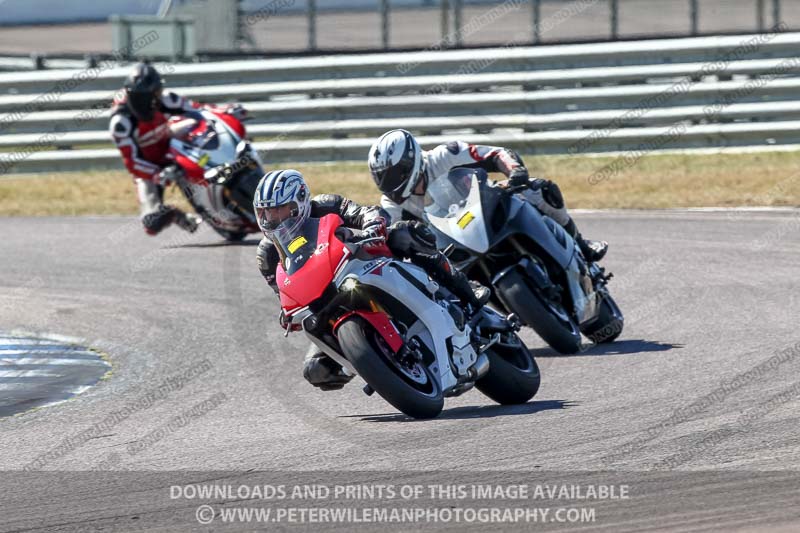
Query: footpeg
{"type": "Point", "coordinates": [369, 391]}
{"type": "Point", "coordinates": [514, 322]}
{"type": "Point", "coordinates": [601, 277]}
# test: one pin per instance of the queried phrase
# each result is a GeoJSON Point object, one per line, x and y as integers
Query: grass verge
{"type": "Point", "coordinates": [651, 182]}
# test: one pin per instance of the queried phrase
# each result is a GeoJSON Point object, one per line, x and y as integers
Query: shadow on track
{"type": "Point", "coordinates": [248, 242]}
{"type": "Point", "coordinates": [623, 347]}
{"type": "Point", "coordinates": [473, 411]}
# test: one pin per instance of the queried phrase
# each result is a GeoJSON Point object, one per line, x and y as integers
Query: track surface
{"type": "Point", "coordinates": [708, 296]}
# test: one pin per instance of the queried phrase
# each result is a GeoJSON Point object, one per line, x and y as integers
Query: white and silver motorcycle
{"type": "Point", "coordinates": [388, 322]}
{"type": "Point", "coordinates": [534, 267]}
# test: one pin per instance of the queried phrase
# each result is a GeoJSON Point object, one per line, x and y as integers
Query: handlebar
{"type": "Point", "coordinates": [517, 188]}
{"type": "Point", "coordinates": [368, 240]}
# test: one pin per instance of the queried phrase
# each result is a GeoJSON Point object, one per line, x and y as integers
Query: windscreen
{"type": "Point", "coordinates": [297, 244]}
{"type": "Point", "coordinates": [447, 196]}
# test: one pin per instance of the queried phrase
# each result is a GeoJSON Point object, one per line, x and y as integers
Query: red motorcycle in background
{"type": "Point", "coordinates": [217, 170]}
{"type": "Point", "coordinates": [388, 322]}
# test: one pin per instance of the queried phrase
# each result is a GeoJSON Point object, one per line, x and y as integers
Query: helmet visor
{"type": "Point", "coordinates": [398, 181]}
{"type": "Point", "coordinates": [277, 219]}
{"type": "Point", "coordinates": [143, 104]}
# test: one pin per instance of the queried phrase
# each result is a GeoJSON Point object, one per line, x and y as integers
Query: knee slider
{"type": "Point", "coordinates": [551, 194]}
{"type": "Point", "coordinates": [319, 369]}
{"type": "Point", "coordinates": [158, 220]}
{"type": "Point", "coordinates": [423, 237]}
{"type": "Point", "coordinates": [399, 238]}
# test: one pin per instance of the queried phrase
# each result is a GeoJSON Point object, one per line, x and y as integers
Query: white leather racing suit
{"type": "Point", "coordinates": [437, 163]}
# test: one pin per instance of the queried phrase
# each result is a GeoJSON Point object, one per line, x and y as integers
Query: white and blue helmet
{"type": "Point", "coordinates": [276, 189]}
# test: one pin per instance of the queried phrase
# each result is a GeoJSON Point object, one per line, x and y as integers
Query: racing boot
{"type": "Point", "coordinates": [323, 372]}
{"type": "Point", "coordinates": [469, 292]}
{"type": "Point", "coordinates": [593, 251]}
{"type": "Point", "coordinates": [187, 221]}
{"type": "Point", "coordinates": [417, 242]}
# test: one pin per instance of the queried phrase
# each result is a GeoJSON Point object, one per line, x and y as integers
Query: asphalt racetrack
{"type": "Point", "coordinates": [695, 402]}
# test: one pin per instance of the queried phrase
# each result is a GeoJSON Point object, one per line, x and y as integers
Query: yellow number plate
{"type": "Point", "coordinates": [296, 244]}
{"type": "Point", "coordinates": [465, 219]}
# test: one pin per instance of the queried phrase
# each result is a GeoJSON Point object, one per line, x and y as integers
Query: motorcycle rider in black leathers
{"type": "Point", "coordinates": [403, 172]}
{"type": "Point", "coordinates": [283, 195]}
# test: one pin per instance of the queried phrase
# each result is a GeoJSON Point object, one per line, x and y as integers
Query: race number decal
{"type": "Point", "coordinates": [296, 244]}
{"type": "Point", "coordinates": [465, 219]}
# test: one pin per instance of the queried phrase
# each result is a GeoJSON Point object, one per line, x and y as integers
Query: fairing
{"type": "Point", "coordinates": [310, 258]}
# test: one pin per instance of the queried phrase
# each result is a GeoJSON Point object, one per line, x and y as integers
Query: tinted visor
{"type": "Point", "coordinates": [393, 181]}
{"type": "Point", "coordinates": [142, 104]}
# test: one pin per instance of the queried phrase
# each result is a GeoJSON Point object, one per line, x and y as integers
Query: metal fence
{"type": "Point", "coordinates": [570, 99]}
{"type": "Point", "coordinates": [274, 27]}
{"type": "Point", "coordinates": [604, 19]}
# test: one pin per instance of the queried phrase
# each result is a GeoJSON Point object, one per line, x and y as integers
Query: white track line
{"type": "Point", "coordinates": [13, 386]}
{"type": "Point", "coordinates": [27, 374]}
{"type": "Point", "coordinates": [51, 353]}
{"type": "Point", "coordinates": [49, 361]}
{"type": "Point", "coordinates": [10, 341]}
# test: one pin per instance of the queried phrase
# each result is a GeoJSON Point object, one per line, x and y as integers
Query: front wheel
{"type": "Point", "coordinates": [410, 388]}
{"type": "Point", "coordinates": [549, 320]}
{"type": "Point", "coordinates": [513, 375]}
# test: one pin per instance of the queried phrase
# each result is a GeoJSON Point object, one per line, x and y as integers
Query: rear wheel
{"type": "Point", "coordinates": [409, 387]}
{"type": "Point", "coordinates": [609, 323]}
{"type": "Point", "coordinates": [548, 319]}
{"type": "Point", "coordinates": [513, 375]}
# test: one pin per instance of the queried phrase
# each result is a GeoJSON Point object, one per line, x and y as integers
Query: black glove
{"type": "Point", "coordinates": [518, 176]}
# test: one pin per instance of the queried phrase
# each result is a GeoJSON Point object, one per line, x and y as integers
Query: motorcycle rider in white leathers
{"type": "Point", "coordinates": [403, 172]}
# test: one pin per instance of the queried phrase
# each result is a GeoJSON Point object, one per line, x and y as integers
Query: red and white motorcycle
{"type": "Point", "coordinates": [387, 321]}
{"type": "Point", "coordinates": [217, 170]}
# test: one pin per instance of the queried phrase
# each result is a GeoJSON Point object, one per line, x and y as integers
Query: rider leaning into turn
{"type": "Point", "coordinates": [403, 172]}
{"type": "Point", "coordinates": [282, 202]}
{"type": "Point", "coordinates": [140, 129]}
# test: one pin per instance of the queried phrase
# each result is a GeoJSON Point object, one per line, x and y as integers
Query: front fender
{"type": "Point", "coordinates": [382, 324]}
{"type": "Point", "coordinates": [526, 268]}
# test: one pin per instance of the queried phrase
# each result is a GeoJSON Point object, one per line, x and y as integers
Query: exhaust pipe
{"type": "Point", "coordinates": [481, 366]}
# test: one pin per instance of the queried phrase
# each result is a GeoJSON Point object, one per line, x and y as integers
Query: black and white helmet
{"type": "Point", "coordinates": [395, 161]}
{"type": "Point", "coordinates": [143, 88]}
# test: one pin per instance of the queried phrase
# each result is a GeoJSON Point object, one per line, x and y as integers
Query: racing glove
{"type": "Point", "coordinates": [237, 111]}
{"type": "Point", "coordinates": [168, 174]}
{"type": "Point", "coordinates": [518, 176]}
{"type": "Point", "coordinates": [375, 229]}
